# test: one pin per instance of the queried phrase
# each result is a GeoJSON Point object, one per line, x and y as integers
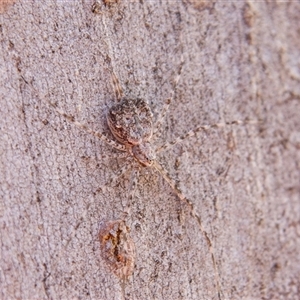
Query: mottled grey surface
{"type": "Point", "coordinates": [242, 60]}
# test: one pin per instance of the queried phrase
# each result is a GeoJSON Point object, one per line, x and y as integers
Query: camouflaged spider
{"type": "Point", "coordinates": [131, 123]}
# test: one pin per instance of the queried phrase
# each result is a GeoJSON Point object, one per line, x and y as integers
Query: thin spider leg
{"type": "Point", "coordinates": [117, 87]}
{"type": "Point", "coordinates": [98, 134]}
{"type": "Point", "coordinates": [167, 103]}
{"type": "Point", "coordinates": [163, 113]}
{"type": "Point", "coordinates": [115, 81]}
{"type": "Point", "coordinates": [71, 119]}
{"type": "Point", "coordinates": [132, 187]}
{"type": "Point", "coordinates": [118, 155]}
{"type": "Point", "coordinates": [113, 179]}
{"type": "Point", "coordinates": [172, 184]}
{"type": "Point", "coordinates": [193, 132]}
{"type": "Point", "coordinates": [181, 196]}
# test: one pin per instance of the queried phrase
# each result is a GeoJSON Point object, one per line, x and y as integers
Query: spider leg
{"type": "Point", "coordinates": [115, 81]}
{"type": "Point", "coordinates": [97, 134]}
{"type": "Point", "coordinates": [118, 155]}
{"type": "Point", "coordinates": [117, 87]}
{"type": "Point", "coordinates": [193, 132]}
{"type": "Point", "coordinates": [181, 196]}
{"type": "Point", "coordinates": [171, 183]}
{"type": "Point", "coordinates": [72, 120]}
{"type": "Point", "coordinates": [113, 179]}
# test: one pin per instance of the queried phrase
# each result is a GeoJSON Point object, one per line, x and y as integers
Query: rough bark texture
{"type": "Point", "coordinates": [241, 60]}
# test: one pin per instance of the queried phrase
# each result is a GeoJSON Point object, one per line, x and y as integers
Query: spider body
{"type": "Point", "coordinates": [130, 122]}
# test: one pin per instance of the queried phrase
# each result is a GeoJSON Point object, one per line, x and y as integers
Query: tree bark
{"type": "Point", "coordinates": [59, 184]}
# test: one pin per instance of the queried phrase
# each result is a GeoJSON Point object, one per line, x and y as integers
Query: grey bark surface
{"type": "Point", "coordinates": [241, 60]}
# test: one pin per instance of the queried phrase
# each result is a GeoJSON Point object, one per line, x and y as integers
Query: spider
{"type": "Point", "coordinates": [131, 123]}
